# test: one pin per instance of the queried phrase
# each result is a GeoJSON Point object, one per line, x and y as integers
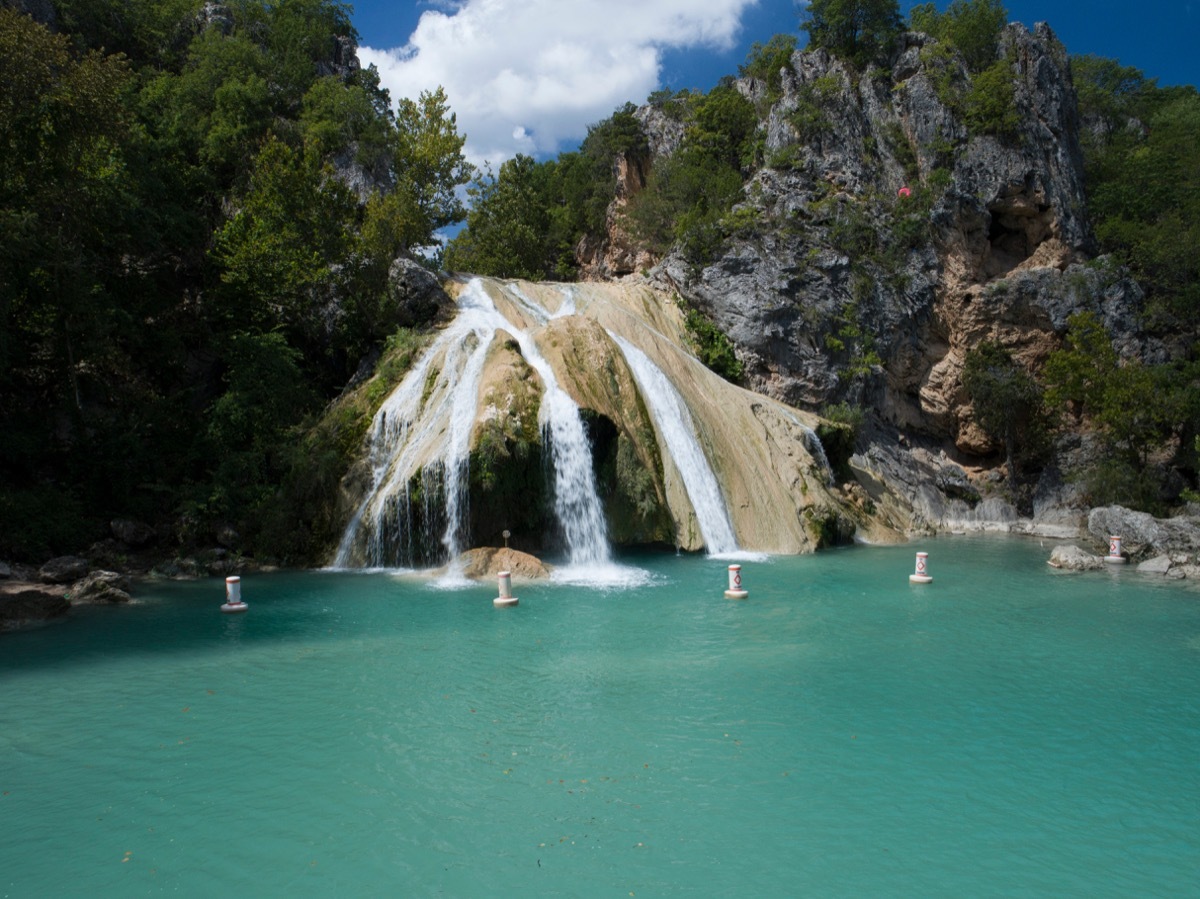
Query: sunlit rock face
{"type": "Point", "coordinates": [884, 237]}
{"type": "Point", "coordinates": [497, 368]}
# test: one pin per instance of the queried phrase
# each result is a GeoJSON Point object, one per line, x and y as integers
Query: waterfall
{"type": "Point", "coordinates": [678, 433]}
{"type": "Point", "coordinates": [812, 443]}
{"type": "Point", "coordinates": [425, 425]}
{"type": "Point", "coordinates": [576, 500]}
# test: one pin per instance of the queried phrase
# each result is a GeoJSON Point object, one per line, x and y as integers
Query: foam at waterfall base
{"type": "Point", "coordinates": [741, 555]}
{"type": "Point", "coordinates": [602, 575]}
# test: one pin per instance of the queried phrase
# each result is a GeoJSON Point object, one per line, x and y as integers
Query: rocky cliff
{"type": "Point", "coordinates": [885, 237]}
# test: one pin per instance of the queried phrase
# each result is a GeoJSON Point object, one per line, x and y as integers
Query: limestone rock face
{"type": "Point", "coordinates": [845, 291]}
{"type": "Point", "coordinates": [595, 375]}
{"type": "Point", "coordinates": [416, 292]}
{"type": "Point", "coordinates": [620, 352]}
{"type": "Point", "coordinates": [1142, 535]}
{"type": "Point", "coordinates": [1011, 209]}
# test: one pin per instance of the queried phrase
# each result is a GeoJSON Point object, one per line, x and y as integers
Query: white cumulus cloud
{"type": "Point", "coordinates": [525, 76]}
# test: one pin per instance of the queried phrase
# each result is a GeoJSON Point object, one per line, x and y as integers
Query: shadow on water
{"type": "Point", "coordinates": [184, 617]}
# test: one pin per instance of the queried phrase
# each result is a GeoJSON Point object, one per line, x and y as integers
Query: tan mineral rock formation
{"type": "Point", "coordinates": [778, 495]}
{"type": "Point", "coordinates": [488, 561]}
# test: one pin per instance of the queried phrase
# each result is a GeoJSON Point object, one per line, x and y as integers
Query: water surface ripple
{"type": "Point", "coordinates": [1004, 731]}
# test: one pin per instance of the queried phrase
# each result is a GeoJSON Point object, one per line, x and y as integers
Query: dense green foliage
{"type": "Point", "coordinates": [971, 26]}
{"type": "Point", "coordinates": [766, 62]}
{"type": "Point", "coordinates": [186, 276]}
{"type": "Point", "coordinates": [860, 31]}
{"type": "Point", "coordinates": [967, 36]}
{"type": "Point", "coordinates": [712, 346]}
{"type": "Point", "coordinates": [527, 219]}
{"type": "Point", "coordinates": [1142, 172]}
{"type": "Point", "coordinates": [1139, 411]}
{"type": "Point", "coordinates": [1007, 404]}
{"type": "Point", "coordinates": [689, 193]}
{"type": "Point", "coordinates": [1142, 157]}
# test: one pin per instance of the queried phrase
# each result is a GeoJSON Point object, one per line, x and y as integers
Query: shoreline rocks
{"type": "Point", "coordinates": [25, 604]}
{"type": "Point", "coordinates": [1072, 558]}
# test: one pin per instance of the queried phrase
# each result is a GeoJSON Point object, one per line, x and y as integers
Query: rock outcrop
{"type": "Point", "coordinates": [1142, 535]}
{"type": "Point", "coordinates": [1073, 558]}
{"type": "Point", "coordinates": [24, 604]}
{"type": "Point", "coordinates": [64, 569]}
{"type": "Point", "coordinates": [101, 587]}
{"type": "Point", "coordinates": [489, 561]}
{"type": "Point", "coordinates": [989, 242]}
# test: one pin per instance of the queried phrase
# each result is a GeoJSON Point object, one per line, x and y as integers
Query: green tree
{"type": "Point", "coordinates": [428, 164]}
{"type": "Point", "coordinates": [989, 106]}
{"type": "Point", "coordinates": [1109, 90]}
{"type": "Point", "coordinates": [689, 192]}
{"type": "Point", "coordinates": [506, 225]}
{"type": "Point", "coordinates": [68, 213]}
{"type": "Point", "coordinates": [1144, 195]}
{"type": "Point", "coordinates": [337, 116]}
{"type": "Point", "coordinates": [1006, 402]}
{"type": "Point", "coordinates": [146, 31]}
{"type": "Point", "coordinates": [766, 62]}
{"type": "Point", "coordinates": [282, 255]}
{"type": "Point", "coordinates": [972, 26]}
{"type": "Point", "coordinates": [265, 395]}
{"type": "Point", "coordinates": [857, 30]}
{"type": "Point", "coordinates": [300, 38]}
{"type": "Point", "coordinates": [1132, 405]}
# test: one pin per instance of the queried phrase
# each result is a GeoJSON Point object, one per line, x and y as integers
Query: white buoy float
{"type": "Point", "coordinates": [505, 598]}
{"type": "Point", "coordinates": [1114, 551]}
{"type": "Point", "coordinates": [233, 596]}
{"type": "Point", "coordinates": [735, 590]}
{"type": "Point", "coordinates": [921, 575]}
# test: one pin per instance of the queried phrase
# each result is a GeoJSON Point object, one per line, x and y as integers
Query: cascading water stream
{"type": "Point", "coordinates": [425, 426]}
{"type": "Point", "coordinates": [678, 433]}
{"type": "Point", "coordinates": [812, 443]}
{"type": "Point", "coordinates": [444, 404]}
{"type": "Point", "coordinates": [576, 501]}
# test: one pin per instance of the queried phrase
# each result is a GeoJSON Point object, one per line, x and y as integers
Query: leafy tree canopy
{"type": "Point", "coordinates": [971, 26]}
{"type": "Point", "coordinates": [1142, 171]}
{"type": "Point", "coordinates": [1006, 402]}
{"type": "Point", "coordinates": [174, 182]}
{"type": "Point", "coordinates": [857, 30]}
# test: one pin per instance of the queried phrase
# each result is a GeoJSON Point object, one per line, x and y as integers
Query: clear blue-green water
{"type": "Point", "coordinates": [1007, 730]}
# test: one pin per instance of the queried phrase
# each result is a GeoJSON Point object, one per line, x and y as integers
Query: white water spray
{"type": "Point", "coordinates": [425, 425]}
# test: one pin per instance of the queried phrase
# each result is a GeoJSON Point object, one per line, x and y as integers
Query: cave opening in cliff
{"type": "Point", "coordinates": [1008, 244]}
{"type": "Point", "coordinates": [1014, 234]}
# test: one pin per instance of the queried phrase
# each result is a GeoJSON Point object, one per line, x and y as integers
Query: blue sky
{"type": "Point", "coordinates": [529, 76]}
